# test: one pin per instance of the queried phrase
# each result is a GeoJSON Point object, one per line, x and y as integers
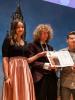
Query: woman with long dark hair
{"type": "Point", "coordinates": [18, 83]}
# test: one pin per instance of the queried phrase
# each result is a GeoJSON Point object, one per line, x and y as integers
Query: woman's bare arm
{"type": "Point", "coordinates": [35, 57]}
{"type": "Point", "coordinates": [5, 67]}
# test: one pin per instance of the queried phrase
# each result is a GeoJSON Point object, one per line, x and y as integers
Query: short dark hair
{"type": "Point", "coordinates": [70, 33]}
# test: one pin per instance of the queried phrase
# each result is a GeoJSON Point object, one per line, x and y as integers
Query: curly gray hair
{"type": "Point", "coordinates": [42, 28]}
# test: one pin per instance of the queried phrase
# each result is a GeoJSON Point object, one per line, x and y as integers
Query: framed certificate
{"type": "Point", "coordinates": [60, 58]}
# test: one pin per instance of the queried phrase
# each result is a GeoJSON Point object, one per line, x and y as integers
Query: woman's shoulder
{"type": "Point", "coordinates": [6, 41]}
{"type": "Point", "coordinates": [5, 47]}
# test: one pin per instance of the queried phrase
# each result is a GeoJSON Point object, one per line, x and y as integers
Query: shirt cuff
{"type": "Point", "coordinates": [46, 66]}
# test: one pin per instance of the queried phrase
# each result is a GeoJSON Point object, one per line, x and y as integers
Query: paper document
{"type": "Point", "coordinates": [60, 58]}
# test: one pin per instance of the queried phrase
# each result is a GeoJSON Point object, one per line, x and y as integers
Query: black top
{"type": "Point", "coordinates": [9, 50]}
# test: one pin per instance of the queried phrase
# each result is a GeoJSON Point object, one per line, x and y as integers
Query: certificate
{"type": "Point", "coordinates": [60, 58]}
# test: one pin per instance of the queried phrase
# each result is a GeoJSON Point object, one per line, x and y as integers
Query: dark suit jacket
{"type": "Point", "coordinates": [37, 66]}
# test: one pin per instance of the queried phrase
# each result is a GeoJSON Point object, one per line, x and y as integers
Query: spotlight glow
{"type": "Point", "coordinates": [68, 3]}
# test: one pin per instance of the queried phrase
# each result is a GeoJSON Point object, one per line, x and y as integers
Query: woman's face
{"type": "Point", "coordinates": [44, 36]}
{"type": "Point", "coordinates": [20, 29]}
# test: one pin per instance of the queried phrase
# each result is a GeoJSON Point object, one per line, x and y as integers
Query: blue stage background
{"type": "Point", "coordinates": [61, 18]}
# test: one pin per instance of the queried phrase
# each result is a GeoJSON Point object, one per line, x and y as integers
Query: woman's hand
{"type": "Point", "coordinates": [53, 67]}
{"type": "Point", "coordinates": [7, 81]}
{"type": "Point", "coordinates": [49, 67]}
{"type": "Point", "coordinates": [35, 57]}
{"type": "Point", "coordinates": [41, 54]}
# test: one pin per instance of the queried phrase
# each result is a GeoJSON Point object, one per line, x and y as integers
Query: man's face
{"type": "Point", "coordinates": [71, 42]}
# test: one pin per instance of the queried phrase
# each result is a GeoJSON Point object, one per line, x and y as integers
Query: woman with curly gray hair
{"type": "Point", "coordinates": [45, 79]}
